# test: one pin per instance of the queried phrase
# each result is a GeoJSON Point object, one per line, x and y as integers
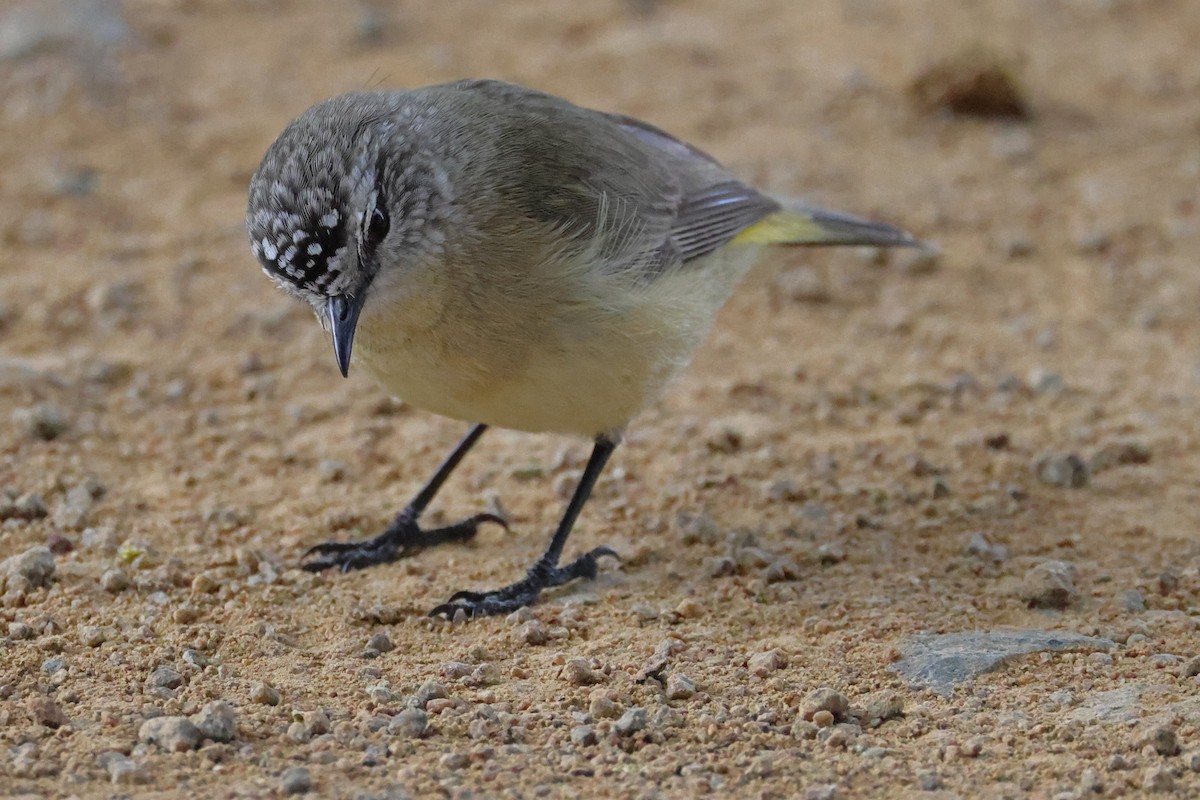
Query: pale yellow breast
{"type": "Point", "coordinates": [578, 355]}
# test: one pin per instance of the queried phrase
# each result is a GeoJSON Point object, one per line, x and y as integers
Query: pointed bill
{"type": "Point", "coordinates": [343, 314]}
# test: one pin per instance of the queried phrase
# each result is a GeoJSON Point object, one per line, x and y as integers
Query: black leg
{"type": "Point", "coordinates": [545, 572]}
{"type": "Point", "coordinates": [404, 536]}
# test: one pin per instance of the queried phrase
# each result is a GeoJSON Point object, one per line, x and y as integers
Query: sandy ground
{"type": "Point", "coordinates": [865, 449]}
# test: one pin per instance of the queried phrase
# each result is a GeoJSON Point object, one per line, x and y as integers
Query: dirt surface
{"type": "Point", "coordinates": [1003, 438]}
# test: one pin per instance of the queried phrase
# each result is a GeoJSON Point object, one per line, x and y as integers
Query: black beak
{"type": "Point", "coordinates": [343, 317]}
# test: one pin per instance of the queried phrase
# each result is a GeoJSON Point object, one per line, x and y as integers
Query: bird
{"type": "Point", "coordinates": [501, 256]}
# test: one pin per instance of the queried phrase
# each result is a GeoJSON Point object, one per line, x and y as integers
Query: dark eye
{"type": "Point", "coordinates": [378, 227]}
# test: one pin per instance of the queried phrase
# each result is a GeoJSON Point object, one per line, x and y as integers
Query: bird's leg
{"type": "Point", "coordinates": [404, 536]}
{"type": "Point", "coordinates": [545, 572]}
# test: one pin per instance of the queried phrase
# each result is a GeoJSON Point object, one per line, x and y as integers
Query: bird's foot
{"type": "Point", "coordinates": [403, 538]}
{"type": "Point", "coordinates": [525, 591]}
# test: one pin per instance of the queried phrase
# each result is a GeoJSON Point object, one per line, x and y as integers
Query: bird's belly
{"type": "Point", "coordinates": [577, 370]}
{"type": "Point", "coordinates": [581, 387]}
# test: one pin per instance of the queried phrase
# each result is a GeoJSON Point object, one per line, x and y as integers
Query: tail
{"type": "Point", "coordinates": [814, 226]}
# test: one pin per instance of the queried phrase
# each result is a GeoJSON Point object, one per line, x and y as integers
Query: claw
{"type": "Point", "coordinates": [403, 538]}
{"type": "Point", "coordinates": [525, 591]}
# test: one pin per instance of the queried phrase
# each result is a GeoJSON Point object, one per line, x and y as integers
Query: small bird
{"type": "Point", "coordinates": [501, 256]}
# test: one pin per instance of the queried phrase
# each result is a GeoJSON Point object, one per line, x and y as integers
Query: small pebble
{"type": "Point", "coordinates": [1119, 763]}
{"type": "Point", "coordinates": [1090, 782]}
{"type": "Point", "coordinates": [216, 721]}
{"type": "Point", "coordinates": [696, 528]}
{"type": "Point", "coordinates": [822, 791]}
{"type": "Point", "coordinates": [410, 723]}
{"type": "Point", "coordinates": [534, 632]}
{"type": "Point", "coordinates": [165, 678]}
{"type": "Point", "coordinates": [583, 735]}
{"type": "Point", "coordinates": [114, 581]}
{"type": "Point", "coordinates": [825, 699]}
{"type": "Point", "coordinates": [46, 712]}
{"type": "Point", "coordinates": [35, 565]}
{"type": "Point", "coordinates": [1161, 738]}
{"type": "Point", "coordinates": [30, 506]}
{"type": "Point", "coordinates": [45, 421]}
{"type": "Point", "coordinates": [763, 664]}
{"type": "Point", "coordinates": [601, 706]}
{"type": "Point", "coordinates": [59, 544]}
{"type": "Point", "coordinates": [455, 760]}
{"type": "Point", "coordinates": [883, 708]}
{"type": "Point", "coordinates": [1132, 600]}
{"type": "Point", "coordinates": [680, 686]}
{"type": "Point", "coordinates": [429, 690]}
{"type": "Point", "coordinates": [381, 643]}
{"type": "Point", "coordinates": [72, 513]}
{"type": "Point", "coordinates": [1050, 584]}
{"type": "Point", "coordinates": [579, 672]}
{"type": "Point", "coordinates": [295, 780]}
{"type": "Point", "coordinates": [92, 635]}
{"type": "Point", "coordinates": [690, 608]}
{"type": "Point", "coordinates": [1190, 668]}
{"type": "Point", "coordinates": [265, 694]}
{"type": "Point", "coordinates": [1068, 472]}
{"type": "Point", "coordinates": [173, 734]}
{"type": "Point", "coordinates": [1158, 779]}
{"type": "Point", "coordinates": [124, 770]}
{"type": "Point", "coordinates": [331, 471]}
{"type": "Point", "coordinates": [720, 566]}
{"type": "Point", "coordinates": [205, 583]}
{"type": "Point", "coordinates": [823, 719]}
{"type": "Point", "coordinates": [631, 722]}
{"type": "Point", "coordinates": [929, 781]}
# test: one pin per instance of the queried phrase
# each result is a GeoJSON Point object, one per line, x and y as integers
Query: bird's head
{"type": "Point", "coordinates": [346, 191]}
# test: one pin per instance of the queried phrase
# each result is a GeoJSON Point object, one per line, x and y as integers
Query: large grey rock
{"type": "Point", "coordinates": [943, 661]}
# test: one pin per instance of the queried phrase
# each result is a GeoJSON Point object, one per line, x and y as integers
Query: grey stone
{"type": "Point", "coordinates": [631, 722]}
{"type": "Point", "coordinates": [166, 678]}
{"type": "Point", "coordinates": [173, 734]}
{"type": "Point", "coordinates": [409, 723]}
{"type": "Point", "coordinates": [1069, 471]}
{"type": "Point", "coordinates": [943, 661]}
{"type": "Point", "coordinates": [583, 735]}
{"type": "Point", "coordinates": [1115, 705]}
{"type": "Point", "coordinates": [217, 721]}
{"type": "Point", "coordinates": [295, 780]}
{"type": "Point", "coordinates": [1050, 584]}
{"type": "Point", "coordinates": [35, 565]}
